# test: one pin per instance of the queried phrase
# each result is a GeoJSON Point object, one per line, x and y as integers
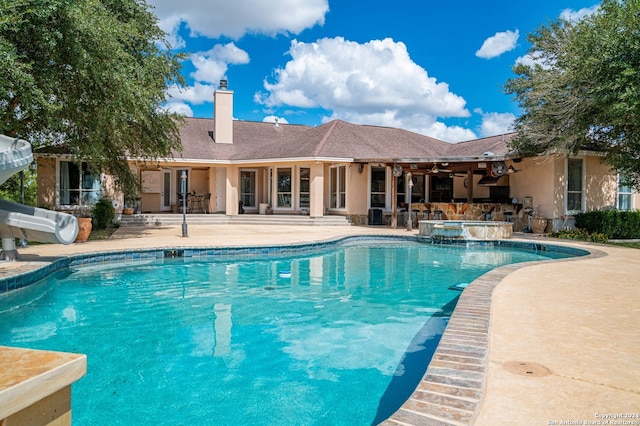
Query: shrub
{"type": "Point", "coordinates": [613, 223]}
{"type": "Point", "coordinates": [103, 214]}
{"type": "Point", "coordinates": [581, 235]}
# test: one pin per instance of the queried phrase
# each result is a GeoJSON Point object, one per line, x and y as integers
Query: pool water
{"type": "Point", "coordinates": [338, 337]}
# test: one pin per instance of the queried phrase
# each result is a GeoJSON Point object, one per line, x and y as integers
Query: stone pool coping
{"type": "Point", "coordinates": [452, 389]}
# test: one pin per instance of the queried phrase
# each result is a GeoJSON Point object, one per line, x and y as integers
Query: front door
{"type": "Point", "coordinates": [166, 191]}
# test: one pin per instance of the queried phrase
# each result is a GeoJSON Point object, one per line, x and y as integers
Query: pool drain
{"type": "Point", "coordinates": [528, 369]}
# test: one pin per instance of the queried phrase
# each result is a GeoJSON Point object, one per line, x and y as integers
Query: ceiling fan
{"type": "Point", "coordinates": [498, 168]}
{"type": "Point", "coordinates": [443, 169]}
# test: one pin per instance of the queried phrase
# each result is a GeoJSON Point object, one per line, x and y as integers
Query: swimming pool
{"type": "Point", "coordinates": [315, 338]}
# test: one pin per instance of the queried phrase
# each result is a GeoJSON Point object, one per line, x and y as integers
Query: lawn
{"type": "Point", "coordinates": [635, 245]}
{"type": "Point", "coordinates": [101, 234]}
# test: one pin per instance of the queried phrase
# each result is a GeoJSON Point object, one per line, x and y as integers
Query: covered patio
{"type": "Point", "coordinates": [476, 189]}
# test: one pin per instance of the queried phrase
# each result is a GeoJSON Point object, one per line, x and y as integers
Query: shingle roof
{"type": "Point", "coordinates": [495, 145]}
{"type": "Point", "coordinates": [336, 139]}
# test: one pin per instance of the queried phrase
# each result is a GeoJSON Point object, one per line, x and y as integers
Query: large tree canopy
{"type": "Point", "coordinates": [583, 89]}
{"type": "Point", "coordinates": [91, 75]}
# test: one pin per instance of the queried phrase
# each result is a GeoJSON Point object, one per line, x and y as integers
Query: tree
{"type": "Point", "coordinates": [89, 77]}
{"type": "Point", "coordinates": [10, 190]}
{"type": "Point", "coordinates": [583, 90]}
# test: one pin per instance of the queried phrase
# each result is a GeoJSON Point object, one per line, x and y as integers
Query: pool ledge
{"type": "Point", "coordinates": [35, 385]}
{"type": "Point", "coordinates": [453, 387]}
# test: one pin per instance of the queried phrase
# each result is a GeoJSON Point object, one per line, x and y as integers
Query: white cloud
{"type": "Point", "coordinates": [451, 134]}
{"type": "Point", "coordinates": [180, 108]}
{"type": "Point", "coordinates": [196, 94]}
{"type": "Point", "coordinates": [419, 123]}
{"type": "Point", "coordinates": [528, 60]}
{"type": "Point", "coordinates": [498, 44]}
{"type": "Point", "coordinates": [496, 123]}
{"type": "Point", "coordinates": [215, 18]}
{"type": "Point", "coordinates": [273, 118]}
{"type": "Point", "coordinates": [373, 83]}
{"type": "Point", "coordinates": [212, 65]}
{"type": "Point", "coordinates": [576, 15]}
{"type": "Point", "coordinates": [532, 59]}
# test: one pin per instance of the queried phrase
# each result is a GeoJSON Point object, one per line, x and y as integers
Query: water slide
{"type": "Point", "coordinates": [20, 221]}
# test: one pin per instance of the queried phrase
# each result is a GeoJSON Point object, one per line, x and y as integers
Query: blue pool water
{"type": "Point", "coordinates": [338, 337]}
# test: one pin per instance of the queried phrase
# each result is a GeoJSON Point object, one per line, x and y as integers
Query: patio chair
{"type": "Point", "coordinates": [205, 203]}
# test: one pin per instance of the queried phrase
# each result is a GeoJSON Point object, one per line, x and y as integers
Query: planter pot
{"type": "Point", "coordinates": [127, 211]}
{"type": "Point", "coordinates": [84, 229]}
{"type": "Point", "coordinates": [538, 225]}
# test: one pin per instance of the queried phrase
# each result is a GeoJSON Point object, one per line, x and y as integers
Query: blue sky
{"type": "Point", "coordinates": [436, 68]}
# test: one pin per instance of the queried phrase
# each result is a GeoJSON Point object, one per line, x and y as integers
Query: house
{"type": "Point", "coordinates": [366, 173]}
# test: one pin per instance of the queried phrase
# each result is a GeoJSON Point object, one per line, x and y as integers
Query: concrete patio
{"type": "Point", "coordinates": [563, 340]}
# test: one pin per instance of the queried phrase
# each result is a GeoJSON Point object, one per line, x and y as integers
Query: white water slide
{"type": "Point", "coordinates": [20, 221]}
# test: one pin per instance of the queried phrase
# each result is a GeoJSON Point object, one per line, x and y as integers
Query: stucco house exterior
{"type": "Point", "coordinates": [358, 171]}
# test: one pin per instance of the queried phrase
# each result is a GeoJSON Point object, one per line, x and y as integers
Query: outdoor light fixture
{"type": "Point", "coordinates": [185, 231]}
{"type": "Point", "coordinates": [435, 169]}
{"type": "Point", "coordinates": [511, 169]}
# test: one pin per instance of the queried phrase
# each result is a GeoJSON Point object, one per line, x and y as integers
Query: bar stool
{"type": "Point", "coordinates": [437, 214]}
{"type": "Point", "coordinates": [508, 216]}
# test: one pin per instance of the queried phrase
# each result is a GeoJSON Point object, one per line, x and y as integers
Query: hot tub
{"type": "Point", "coordinates": [465, 229]}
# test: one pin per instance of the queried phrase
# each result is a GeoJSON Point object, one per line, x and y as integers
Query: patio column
{"type": "Point", "coordinates": [469, 185]}
{"type": "Point", "coordinates": [316, 202]}
{"type": "Point", "coordinates": [394, 201]}
{"type": "Point", "coordinates": [232, 190]}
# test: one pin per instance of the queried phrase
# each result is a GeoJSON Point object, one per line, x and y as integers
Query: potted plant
{"type": "Point", "coordinates": [130, 203]}
{"type": "Point", "coordinates": [85, 225]}
{"type": "Point", "coordinates": [538, 223]}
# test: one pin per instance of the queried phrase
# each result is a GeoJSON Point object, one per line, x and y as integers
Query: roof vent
{"type": "Point", "coordinates": [223, 84]}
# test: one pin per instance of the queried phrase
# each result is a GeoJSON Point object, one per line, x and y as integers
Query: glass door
{"type": "Point", "coordinates": [166, 191]}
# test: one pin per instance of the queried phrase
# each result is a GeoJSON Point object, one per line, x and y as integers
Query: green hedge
{"type": "Point", "coordinates": [613, 223]}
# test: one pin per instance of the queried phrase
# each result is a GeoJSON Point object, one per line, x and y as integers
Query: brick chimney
{"type": "Point", "coordinates": [223, 114]}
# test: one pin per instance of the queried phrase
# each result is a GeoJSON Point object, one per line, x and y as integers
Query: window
{"type": "Point", "coordinates": [305, 187]}
{"type": "Point", "coordinates": [284, 187]}
{"type": "Point", "coordinates": [78, 186]}
{"type": "Point", "coordinates": [625, 197]}
{"type": "Point", "coordinates": [338, 187]}
{"type": "Point", "coordinates": [248, 188]}
{"type": "Point", "coordinates": [378, 186]}
{"type": "Point", "coordinates": [575, 196]}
